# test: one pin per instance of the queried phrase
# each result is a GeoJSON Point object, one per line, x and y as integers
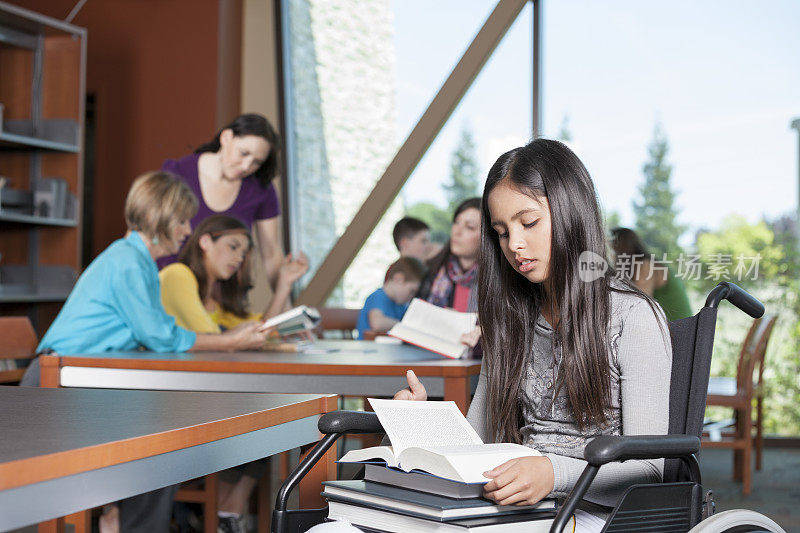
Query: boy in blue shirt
{"type": "Point", "coordinates": [387, 305]}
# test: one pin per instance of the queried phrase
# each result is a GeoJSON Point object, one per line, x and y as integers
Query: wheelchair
{"type": "Point", "coordinates": [679, 504]}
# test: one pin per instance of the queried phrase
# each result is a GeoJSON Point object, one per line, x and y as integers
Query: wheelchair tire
{"type": "Point", "coordinates": [737, 521]}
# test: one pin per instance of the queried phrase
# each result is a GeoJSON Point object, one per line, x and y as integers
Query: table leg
{"type": "Point", "coordinates": [50, 375]}
{"type": "Point", "coordinates": [52, 526]}
{"type": "Point", "coordinates": [457, 390]}
{"type": "Point", "coordinates": [325, 469]}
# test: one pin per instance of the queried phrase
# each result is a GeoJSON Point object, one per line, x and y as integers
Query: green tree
{"type": "Point", "coordinates": [738, 251]}
{"type": "Point", "coordinates": [464, 181]}
{"type": "Point", "coordinates": [436, 218]}
{"type": "Point", "coordinates": [656, 214]}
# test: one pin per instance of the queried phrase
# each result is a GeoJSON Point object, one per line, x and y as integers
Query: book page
{"type": "Point", "coordinates": [470, 462]}
{"type": "Point", "coordinates": [384, 453]}
{"type": "Point", "coordinates": [423, 424]}
{"type": "Point", "coordinates": [429, 342]}
{"type": "Point", "coordinates": [444, 323]}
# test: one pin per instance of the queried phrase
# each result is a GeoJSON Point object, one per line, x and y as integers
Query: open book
{"type": "Point", "coordinates": [297, 320]}
{"type": "Point", "coordinates": [435, 328]}
{"type": "Point", "coordinates": [436, 438]}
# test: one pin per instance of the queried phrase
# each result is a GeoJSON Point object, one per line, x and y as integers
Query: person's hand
{"type": "Point", "coordinates": [414, 391]}
{"type": "Point", "coordinates": [292, 268]}
{"type": "Point", "coordinates": [521, 481]}
{"type": "Point", "coordinates": [246, 336]}
{"type": "Point", "coordinates": [471, 338]}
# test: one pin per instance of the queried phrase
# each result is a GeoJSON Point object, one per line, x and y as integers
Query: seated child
{"type": "Point", "coordinates": [413, 238]}
{"type": "Point", "coordinates": [386, 306]}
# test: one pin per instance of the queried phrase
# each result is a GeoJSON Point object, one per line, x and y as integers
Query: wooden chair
{"type": "Point", "coordinates": [339, 319]}
{"type": "Point", "coordinates": [739, 393]}
{"type": "Point", "coordinates": [18, 341]}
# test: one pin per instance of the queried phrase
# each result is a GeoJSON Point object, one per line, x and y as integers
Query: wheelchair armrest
{"type": "Point", "coordinates": [349, 422]}
{"type": "Point", "coordinates": [607, 448]}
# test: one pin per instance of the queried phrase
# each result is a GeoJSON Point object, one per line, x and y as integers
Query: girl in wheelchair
{"type": "Point", "coordinates": [570, 351]}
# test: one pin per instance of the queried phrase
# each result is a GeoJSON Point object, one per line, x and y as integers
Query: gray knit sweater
{"type": "Point", "coordinates": [640, 358]}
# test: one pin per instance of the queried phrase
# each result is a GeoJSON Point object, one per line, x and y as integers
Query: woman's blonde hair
{"type": "Point", "coordinates": [156, 202]}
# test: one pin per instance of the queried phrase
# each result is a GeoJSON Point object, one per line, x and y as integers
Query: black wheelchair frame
{"type": "Point", "coordinates": [676, 505]}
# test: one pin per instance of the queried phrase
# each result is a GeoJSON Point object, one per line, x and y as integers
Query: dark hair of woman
{"type": "Point", "coordinates": [625, 242]}
{"type": "Point", "coordinates": [232, 291]}
{"type": "Point", "coordinates": [252, 124]}
{"type": "Point", "coordinates": [508, 304]}
{"type": "Point", "coordinates": [436, 262]}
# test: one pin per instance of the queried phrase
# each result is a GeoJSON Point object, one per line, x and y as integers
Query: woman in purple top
{"type": "Point", "coordinates": [232, 175]}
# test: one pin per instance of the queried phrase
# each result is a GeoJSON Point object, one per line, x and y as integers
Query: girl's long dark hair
{"type": "Point", "coordinates": [252, 124]}
{"type": "Point", "coordinates": [509, 304]}
{"type": "Point", "coordinates": [232, 291]}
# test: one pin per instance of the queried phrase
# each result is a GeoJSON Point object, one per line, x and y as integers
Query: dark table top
{"type": "Point", "coordinates": [45, 433]}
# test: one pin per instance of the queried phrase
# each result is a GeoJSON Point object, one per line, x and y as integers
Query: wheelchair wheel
{"type": "Point", "coordinates": [737, 521]}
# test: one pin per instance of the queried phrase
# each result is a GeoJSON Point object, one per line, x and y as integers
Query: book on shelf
{"type": "Point", "coordinates": [392, 522]}
{"type": "Point", "coordinates": [424, 505]}
{"type": "Point", "coordinates": [435, 328]}
{"type": "Point", "coordinates": [436, 438]}
{"type": "Point", "coordinates": [297, 320]}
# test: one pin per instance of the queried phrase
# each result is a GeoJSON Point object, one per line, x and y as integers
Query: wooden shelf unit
{"type": "Point", "coordinates": [42, 91]}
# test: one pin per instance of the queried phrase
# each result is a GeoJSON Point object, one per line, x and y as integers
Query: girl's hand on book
{"type": "Point", "coordinates": [471, 338]}
{"type": "Point", "coordinates": [248, 336]}
{"type": "Point", "coordinates": [414, 391]}
{"type": "Point", "coordinates": [521, 481]}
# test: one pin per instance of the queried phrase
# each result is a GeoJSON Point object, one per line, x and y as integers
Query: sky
{"type": "Point", "coordinates": [721, 77]}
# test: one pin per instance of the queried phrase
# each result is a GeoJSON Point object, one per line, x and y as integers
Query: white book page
{"type": "Point", "coordinates": [436, 344]}
{"type": "Point", "coordinates": [365, 454]}
{"type": "Point", "coordinates": [423, 424]}
{"type": "Point", "coordinates": [438, 321]}
{"type": "Point", "coordinates": [472, 461]}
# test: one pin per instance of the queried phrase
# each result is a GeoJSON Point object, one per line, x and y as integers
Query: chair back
{"type": "Point", "coordinates": [753, 353]}
{"type": "Point", "coordinates": [339, 319]}
{"type": "Point", "coordinates": [692, 346]}
{"type": "Point", "coordinates": [18, 342]}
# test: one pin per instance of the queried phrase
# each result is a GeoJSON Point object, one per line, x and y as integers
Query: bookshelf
{"type": "Point", "coordinates": [42, 96]}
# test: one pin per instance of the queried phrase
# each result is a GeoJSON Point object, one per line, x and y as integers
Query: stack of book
{"type": "Point", "coordinates": [431, 479]}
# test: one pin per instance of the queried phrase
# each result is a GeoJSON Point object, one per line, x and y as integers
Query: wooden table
{"type": "Point", "coordinates": [348, 368]}
{"type": "Point", "coordinates": [65, 450]}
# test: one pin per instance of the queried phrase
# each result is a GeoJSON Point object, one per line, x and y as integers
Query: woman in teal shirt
{"type": "Point", "coordinates": [116, 306]}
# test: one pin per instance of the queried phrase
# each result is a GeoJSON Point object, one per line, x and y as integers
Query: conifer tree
{"type": "Point", "coordinates": [464, 181]}
{"type": "Point", "coordinates": [656, 213]}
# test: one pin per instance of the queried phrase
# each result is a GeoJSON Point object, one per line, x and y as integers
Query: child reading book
{"type": "Point", "coordinates": [569, 354]}
{"type": "Point", "coordinates": [387, 305]}
{"type": "Point", "coordinates": [206, 290]}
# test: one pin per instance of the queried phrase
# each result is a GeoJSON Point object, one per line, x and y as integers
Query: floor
{"type": "Point", "coordinates": [775, 489]}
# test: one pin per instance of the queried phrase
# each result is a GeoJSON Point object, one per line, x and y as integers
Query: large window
{"type": "Point", "coordinates": [705, 91]}
{"type": "Point", "coordinates": [359, 76]}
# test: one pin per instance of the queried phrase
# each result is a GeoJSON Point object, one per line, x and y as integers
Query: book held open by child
{"type": "Point", "coordinates": [297, 320]}
{"type": "Point", "coordinates": [435, 328]}
{"type": "Point", "coordinates": [434, 437]}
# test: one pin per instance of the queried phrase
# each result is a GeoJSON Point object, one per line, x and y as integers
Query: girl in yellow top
{"type": "Point", "coordinates": [206, 290]}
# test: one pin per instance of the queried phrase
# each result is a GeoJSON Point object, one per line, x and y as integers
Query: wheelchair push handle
{"type": "Point", "coordinates": [737, 296]}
